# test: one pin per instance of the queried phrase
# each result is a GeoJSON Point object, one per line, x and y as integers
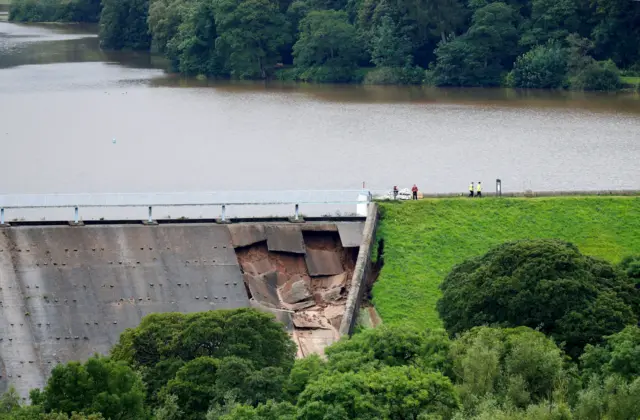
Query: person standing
{"type": "Point", "coordinates": [395, 192]}
{"type": "Point", "coordinates": [471, 189]}
{"type": "Point", "coordinates": [479, 189]}
{"type": "Point", "coordinates": [414, 191]}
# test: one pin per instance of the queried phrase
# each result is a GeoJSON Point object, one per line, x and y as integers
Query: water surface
{"type": "Point", "coordinates": [63, 102]}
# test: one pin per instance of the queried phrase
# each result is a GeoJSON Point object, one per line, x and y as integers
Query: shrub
{"type": "Point", "coordinates": [598, 75]}
{"type": "Point", "coordinates": [543, 284]}
{"type": "Point", "coordinates": [544, 67]}
{"type": "Point", "coordinates": [408, 75]}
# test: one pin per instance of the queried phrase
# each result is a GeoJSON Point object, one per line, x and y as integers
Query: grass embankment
{"type": "Point", "coordinates": [423, 240]}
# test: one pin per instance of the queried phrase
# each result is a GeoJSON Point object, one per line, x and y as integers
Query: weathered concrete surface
{"type": "Point", "coordinates": [350, 233]}
{"type": "Point", "coordinates": [323, 263]}
{"type": "Point", "coordinates": [285, 238]}
{"type": "Point", "coordinates": [362, 269]}
{"type": "Point", "coordinates": [247, 234]}
{"type": "Point", "coordinates": [68, 292]}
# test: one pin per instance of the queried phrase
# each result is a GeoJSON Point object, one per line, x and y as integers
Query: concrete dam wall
{"type": "Point", "coordinates": [67, 292]}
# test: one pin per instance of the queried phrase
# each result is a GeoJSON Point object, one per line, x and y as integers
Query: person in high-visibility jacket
{"type": "Point", "coordinates": [479, 189]}
{"type": "Point", "coordinates": [471, 190]}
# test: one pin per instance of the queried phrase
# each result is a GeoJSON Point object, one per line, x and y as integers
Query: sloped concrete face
{"type": "Point", "coordinates": [68, 292]}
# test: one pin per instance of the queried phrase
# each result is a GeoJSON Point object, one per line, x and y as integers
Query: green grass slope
{"type": "Point", "coordinates": [424, 239]}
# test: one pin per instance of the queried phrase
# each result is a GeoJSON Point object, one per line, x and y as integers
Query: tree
{"type": "Point", "coordinates": [388, 393]}
{"type": "Point", "coordinates": [123, 25]}
{"type": "Point", "coordinates": [192, 49]}
{"type": "Point", "coordinates": [99, 386]}
{"type": "Point", "coordinates": [480, 56]}
{"type": "Point", "coordinates": [611, 398]}
{"type": "Point", "coordinates": [327, 49]}
{"type": "Point", "coordinates": [617, 31]}
{"type": "Point", "coordinates": [545, 284]}
{"type": "Point", "coordinates": [516, 367]}
{"type": "Point", "coordinates": [391, 346]}
{"type": "Point", "coordinates": [389, 48]}
{"type": "Point", "coordinates": [619, 355]}
{"type": "Point", "coordinates": [597, 75]}
{"type": "Point", "coordinates": [250, 35]}
{"type": "Point", "coordinates": [544, 67]}
{"type": "Point", "coordinates": [163, 344]}
{"type": "Point", "coordinates": [631, 266]}
{"type": "Point", "coordinates": [551, 20]}
{"type": "Point", "coordinates": [269, 411]}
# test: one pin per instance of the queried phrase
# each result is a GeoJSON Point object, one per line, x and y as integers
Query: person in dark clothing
{"type": "Point", "coordinates": [395, 192]}
{"type": "Point", "coordinates": [414, 192]}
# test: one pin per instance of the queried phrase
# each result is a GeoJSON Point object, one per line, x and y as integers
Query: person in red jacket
{"type": "Point", "coordinates": [414, 190]}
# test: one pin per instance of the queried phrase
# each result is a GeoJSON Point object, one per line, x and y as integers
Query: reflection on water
{"type": "Point", "coordinates": [63, 102]}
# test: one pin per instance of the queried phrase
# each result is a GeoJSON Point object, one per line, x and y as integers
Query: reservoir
{"type": "Point", "coordinates": [75, 119]}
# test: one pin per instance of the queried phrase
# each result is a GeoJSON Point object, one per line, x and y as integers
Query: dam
{"type": "Point", "coordinates": [68, 289]}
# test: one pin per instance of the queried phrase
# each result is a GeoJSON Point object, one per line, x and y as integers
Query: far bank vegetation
{"type": "Point", "coordinates": [559, 44]}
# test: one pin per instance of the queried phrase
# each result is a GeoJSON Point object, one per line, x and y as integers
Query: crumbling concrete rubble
{"type": "Point", "coordinates": [307, 290]}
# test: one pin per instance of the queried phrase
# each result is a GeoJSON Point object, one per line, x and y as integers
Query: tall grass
{"type": "Point", "coordinates": [425, 239]}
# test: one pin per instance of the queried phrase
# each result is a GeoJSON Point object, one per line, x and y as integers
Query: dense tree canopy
{"type": "Point", "coordinates": [444, 42]}
{"type": "Point", "coordinates": [544, 284]}
{"type": "Point", "coordinates": [99, 386]}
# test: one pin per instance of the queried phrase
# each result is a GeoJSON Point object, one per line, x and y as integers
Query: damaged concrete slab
{"type": "Point", "coordinates": [350, 233]}
{"type": "Point", "coordinates": [323, 262]}
{"type": "Point", "coordinates": [246, 234]}
{"type": "Point", "coordinates": [285, 238]}
{"type": "Point", "coordinates": [263, 288]}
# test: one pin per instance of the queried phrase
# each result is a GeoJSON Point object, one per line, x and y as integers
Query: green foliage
{"type": "Point", "coordinates": [544, 67]}
{"type": "Point", "coordinates": [479, 57]}
{"type": "Point", "coordinates": [250, 35]}
{"type": "Point", "coordinates": [389, 48]}
{"type": "Point", "coordinates": [545, 284]}
{"type": "Point", "coordinates": [631, 266]}
{"type": "Point", "coordinates": [328, 49]}
{"type": "Point", "coordinates": [269, 411]}
{"type": "Point", "coordinates": [515, 367]}
{"type": "Point", "coordinates": [54, 10]}
{"type": "Point", "coordinates": [620, 355]}
{"type": "Point", "coordinates": [123, 25]}
{"type": "Point", "coordinates": [100, 385]}
{"type": "Point", "coordinates": [387, 393]}
{"type": "Point", "coordinates": [203, 356]}
{"type": "Point", "coordinates": [611, 398]}
{"type": "Point", "coordinates": [391, 346]}
{"type": "Point", "coordinates": [424, 240]}
{"type": "Point", "coordinates": [303, 371]}
{"type": "Point", "coordinates": [598, 75]}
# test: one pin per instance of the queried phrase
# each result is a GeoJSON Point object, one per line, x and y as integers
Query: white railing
{"type": "Point", "coordinates": [221, 199]}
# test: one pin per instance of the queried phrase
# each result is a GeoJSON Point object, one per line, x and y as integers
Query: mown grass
{"type": "Point", "coordinates": [424, 239]}
{"type": "Point", "coordinates": [626, 80]}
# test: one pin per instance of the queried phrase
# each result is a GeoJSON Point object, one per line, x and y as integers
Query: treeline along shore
{"type": "Point", "coordinates": [550, 44]}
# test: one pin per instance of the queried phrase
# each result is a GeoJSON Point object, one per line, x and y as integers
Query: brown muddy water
{"type": "Point", "coordinates": [63, 101]}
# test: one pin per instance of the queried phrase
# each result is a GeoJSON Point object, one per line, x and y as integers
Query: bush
{"type": "Point", "coordinates": [543, 284]}
{"type": "Point", "coordinates": [598, 75]}
{"type": "Point", "coordinates": [619, 355]}
{"type": "Point", "coordinates": [544, 67]}
{"type": "Point", "coordinates": [516, 367]}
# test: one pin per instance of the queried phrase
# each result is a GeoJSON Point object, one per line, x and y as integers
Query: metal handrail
{"type": "Point", "coordinates": [181, 199]}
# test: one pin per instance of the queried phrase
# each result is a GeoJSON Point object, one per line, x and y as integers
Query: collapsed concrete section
{"type": "Point", "coordinates": [69, 292]}
{"type": "Point", "coordinates": [303, 271]}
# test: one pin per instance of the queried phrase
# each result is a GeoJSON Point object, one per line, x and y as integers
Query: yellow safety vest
{"type": "Point", "coordinates": [470, 187]}
{"type": "Point", "coordinates": [479, 188]}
